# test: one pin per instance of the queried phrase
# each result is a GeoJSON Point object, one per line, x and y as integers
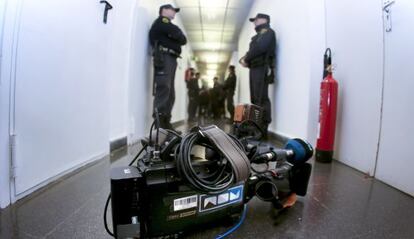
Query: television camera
{"type": "Point", "coordinates": [179, 182]}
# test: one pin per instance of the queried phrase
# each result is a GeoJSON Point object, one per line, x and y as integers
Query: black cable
{"type": "Point", "coordinates": [105, 221]}
{"type": "Point", "coordinates": [109, 196]}
{"type": "Point", "coordinates": [138, 154]}
{"type": "Point", "coordinates": [157, 118]}
{"type": "Point", "coordinates": [173, 132]}
{"type": "Point", "coordinates": [212, 183]}
{"type": "Point", "coordinates": [150, 134]}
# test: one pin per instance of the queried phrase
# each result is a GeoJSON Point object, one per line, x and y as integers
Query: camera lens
{"type": "Point", "coordinates": [266, 190]}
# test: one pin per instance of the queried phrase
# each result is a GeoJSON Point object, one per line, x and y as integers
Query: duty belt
{"type": "Point", "coordinates": [168, 50]}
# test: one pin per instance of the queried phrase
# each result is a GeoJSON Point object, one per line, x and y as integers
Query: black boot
{"type": "Point", "coordinates": [170, 126]}
{"type": "Point", "coordinates": [265, 127]}
{"type": "Point", "coordinates": [162, 122]}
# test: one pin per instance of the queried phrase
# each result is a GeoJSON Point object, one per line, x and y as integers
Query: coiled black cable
{"type": "Point", "coordinates": [215, 182]}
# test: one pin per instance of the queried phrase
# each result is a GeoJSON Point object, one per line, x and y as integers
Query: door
{"type": "Point", "coordinates": [354, 33]}
{"type": "Point", "coordinates": [395, 157]}
{"type": "Point", "coordinates": [61, 89]}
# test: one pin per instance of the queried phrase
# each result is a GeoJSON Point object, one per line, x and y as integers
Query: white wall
{"type": "Point", "coordinates": [395, 161]}
{"type": "Point", "coordinates": [317, 46]}
{"type": "Point", "coordinates": [304, 29]}
{"type": "Point", "coordinates": [126, 105]}
{"type": "Point", "coordinates": [354, 32]}
{"type": "Point", "coordinates": [5, 35]}
{"type": "Point", "coordinates": [135, 88]}
{"type": "Point", "coordinates": [290, 94]}
{"type": "Point", "coordinates": [121, 22]}
{"type": "Point", "coordinates": [60, 95]}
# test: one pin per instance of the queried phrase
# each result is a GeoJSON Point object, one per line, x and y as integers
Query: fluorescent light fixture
{"type": "Point", "coordinates": [211, 57]}
{"type": "Point", "coordinates": [211, 72]}
{"type": "Point", "coordinates": [212, 66]}
{"type": "Point", "coordinates": [211, 15]}
{"type": "Point", "coordinates": [213, 3]}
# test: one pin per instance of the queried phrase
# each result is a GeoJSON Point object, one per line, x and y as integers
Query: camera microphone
{"type": "Point", "coordinates": [275, 155]}
{"type": "Point", "coordinates": [296, 151]}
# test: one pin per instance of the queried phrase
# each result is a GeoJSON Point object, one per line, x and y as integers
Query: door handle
{"type": "Point", "coordinates": [386, 7]}
{"type": "Point", "coordinates": [387, 4]}
{"type": "Point", "coordinates": [108, 7]}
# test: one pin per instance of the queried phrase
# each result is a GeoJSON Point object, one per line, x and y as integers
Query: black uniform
{"type": "Point", "coordinates": [230, 87]}
{"type": "Point", "coordinates": [193, 95]}
{"type": "Point", "coordinates": [260, 57]}
{"type": "Point", "coordinates": [203, 102]}
{"type": "Point", "coordinates": [166, 40]}
{"type": "Point", "coordinates": [218, 99]}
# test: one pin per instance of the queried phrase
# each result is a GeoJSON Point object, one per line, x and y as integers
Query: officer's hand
{"type": "Point", "coordinates": [242, 62]}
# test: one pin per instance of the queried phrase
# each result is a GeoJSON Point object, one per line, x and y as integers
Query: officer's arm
{"type": "Point", "coordinates": [175, 33]}
{"type": "Point", "coordinates": [261, 46]}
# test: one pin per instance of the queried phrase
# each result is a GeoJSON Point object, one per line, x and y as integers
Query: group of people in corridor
{"type": "Point", "coordinates": [167, 39]}
{"type": "Point", "coordinates": [210, 103]}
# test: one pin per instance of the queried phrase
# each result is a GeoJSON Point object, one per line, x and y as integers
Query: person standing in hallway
{"type": "Point", "coordinates": [203, 102]}
{"type": "Point", "coordinates": [166, 40]}
{"type": "Point", "coordinates": [230, 87]}
{"type": "Point", "coordinates": [218, 99]}
{"type": "Point", "coordinates": [260, 60]}
{"type": "Point", "coordinates": [193, 96]}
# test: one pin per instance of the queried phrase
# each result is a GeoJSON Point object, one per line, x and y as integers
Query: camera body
{"type": "Point", "coordinates": [153, 198]}
{"type": "Point", "coordinates": [157, 204]}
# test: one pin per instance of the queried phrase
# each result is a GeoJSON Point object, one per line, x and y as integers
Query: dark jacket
{"type": "Point", "coordinates": [262, 46]}
{"type": "Point", "coordinates": [218, 92]}
{"type": "Point", "coordinates": [230, 83]}
{"type": "Point", "coordinates": [192, 86]}
{"type": "Point", "coordinates": [167, 34]}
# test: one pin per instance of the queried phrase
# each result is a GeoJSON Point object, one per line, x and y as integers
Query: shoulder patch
{"type": "Point", "coordinates": [263, 30]}
{"type": "Point", "coordinates": [165, 20]}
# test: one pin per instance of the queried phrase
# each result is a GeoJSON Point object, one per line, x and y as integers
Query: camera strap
{"type": "Point", "coordinates": [233, 153]}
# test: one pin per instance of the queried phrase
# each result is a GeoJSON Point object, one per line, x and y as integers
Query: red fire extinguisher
{"type": "Point", "coordinates": [327, 112]}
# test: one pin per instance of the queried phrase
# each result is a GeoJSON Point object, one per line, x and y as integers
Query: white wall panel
{"type": "Point", "coordinates": [354, 32]}
{"type": "Point", "coordinates": [86, 97]}
{"type": "Point", "coordinates": [120, 21]}
{"type": "Point", "coordinates": [290, 93]}
{"type": "Point", "coordinates": [6, 37]}
{"type": "Point", "coordinates": [395, 158]}
{"type": "Point", "coordinates": [61, 89]}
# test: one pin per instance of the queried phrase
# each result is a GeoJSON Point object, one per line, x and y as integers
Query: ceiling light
{"type": "Point", "coordinates": [211, 72]}
{"type": "Point", "coordinates": [212, 66]}
{"type": "Point", "coordinates": [212, 57]}
{"type": "Point", "coordinates": [211, 15]}
{"type": "Point", "coordinates": [213, 3]}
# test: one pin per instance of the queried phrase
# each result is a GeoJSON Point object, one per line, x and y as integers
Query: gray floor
{"type": "Point", "coordinates": [341, 203]}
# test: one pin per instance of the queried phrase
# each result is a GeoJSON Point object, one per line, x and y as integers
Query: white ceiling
{"type": "Point", "coordinates": [212, 28]}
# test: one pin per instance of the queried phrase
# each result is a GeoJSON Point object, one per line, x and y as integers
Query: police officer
{"type": "Point", "coordinates": [193, 95]}
{"type": "Point", "coordinates": [166, 40]}
{"type": "Point", "coordinates": [218, 99]}
{"type": "Point", "coordinates": [260, 60]}
{"type": "Point", "coordinates": [230, 87]}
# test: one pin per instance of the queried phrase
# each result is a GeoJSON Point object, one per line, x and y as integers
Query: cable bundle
{"type": "Point", "coordinates": [218, 181]}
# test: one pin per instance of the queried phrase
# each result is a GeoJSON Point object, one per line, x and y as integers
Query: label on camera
{"type": "Point", "coordinates": [185, 203]}
{"type": "Point", "coordinates": [211, 202]}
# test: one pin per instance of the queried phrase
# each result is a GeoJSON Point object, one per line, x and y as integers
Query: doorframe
{"type": "Point", "coordinates": [10, 39]}
{"type": "Point", "coordinates": [374, 173]}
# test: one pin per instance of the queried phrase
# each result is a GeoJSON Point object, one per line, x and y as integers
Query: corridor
{"type": "Point", "coordinates": [327, 83]}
